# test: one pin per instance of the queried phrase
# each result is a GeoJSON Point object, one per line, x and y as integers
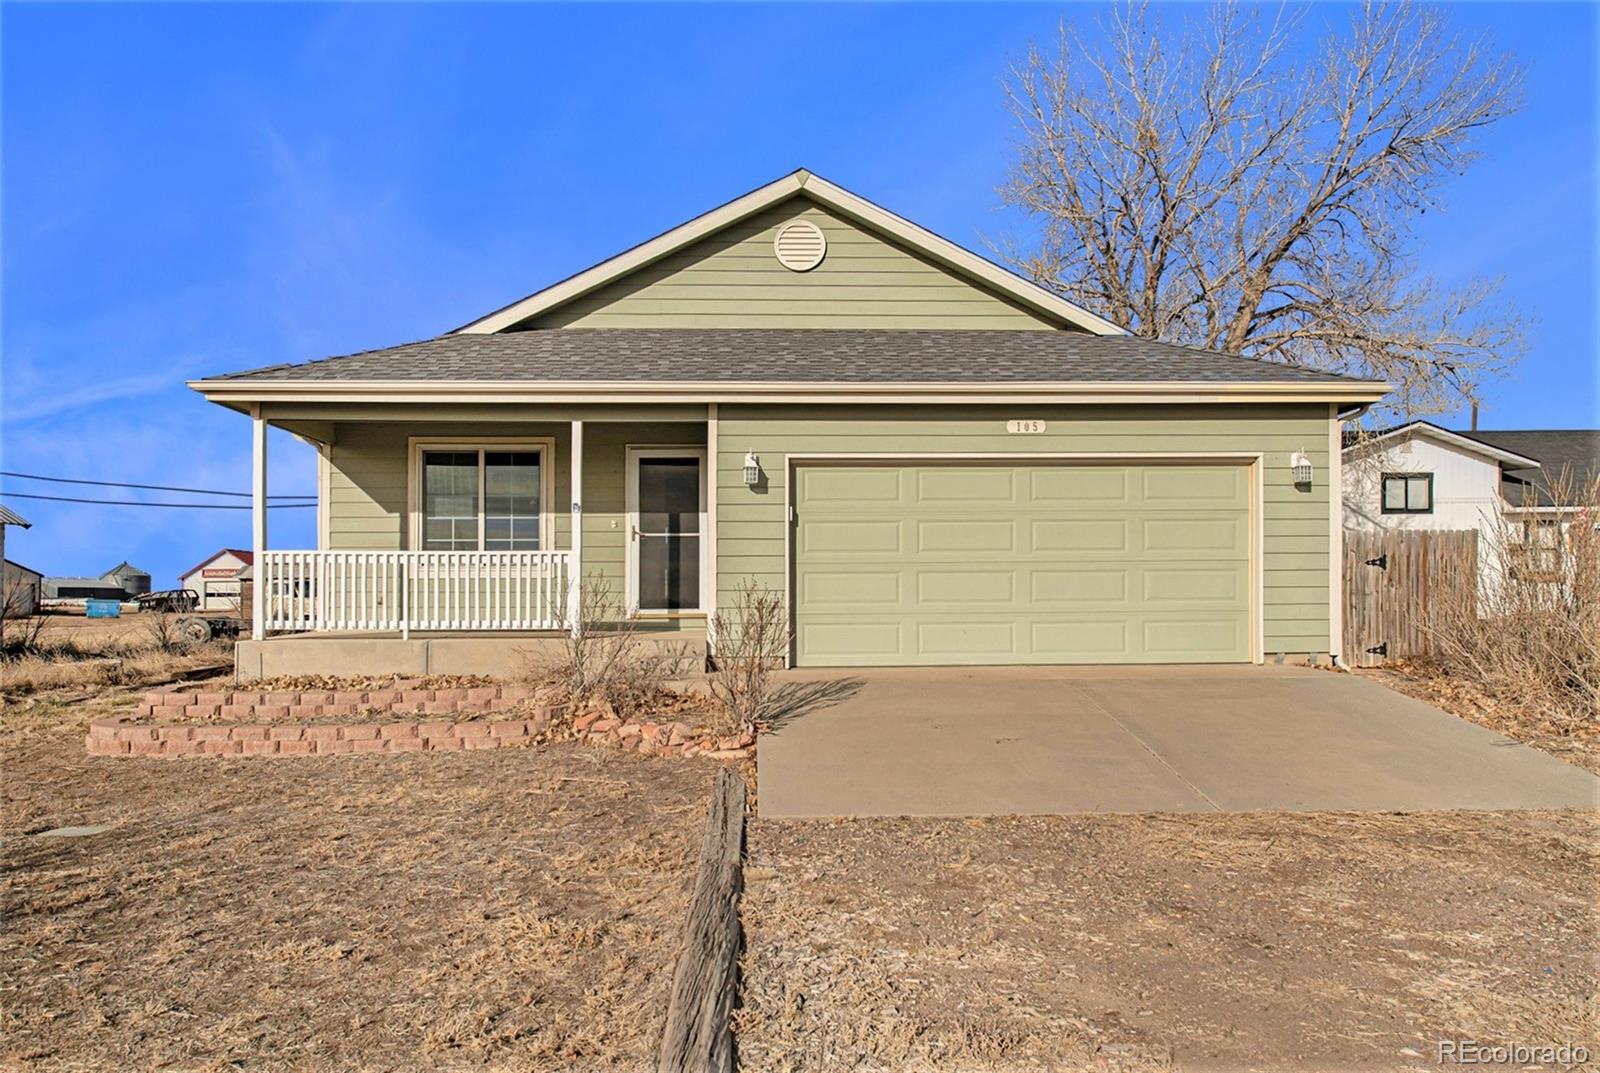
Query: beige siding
{"type": "Point", "coordinates": [732, 280]}
{"type": "Point", "coordinates": [368, 475]}
{"type": "Point", "coordinates": [751, 525]}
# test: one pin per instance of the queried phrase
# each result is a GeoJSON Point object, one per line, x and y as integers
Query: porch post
{"type": "Point", "coordinates": [258, 523]}
{"type": "Point", "coordinates": [575, 562]}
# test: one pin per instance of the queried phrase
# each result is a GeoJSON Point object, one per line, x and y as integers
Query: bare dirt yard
{"type": "Point", "coordinates": [487, 910]}
{"type": "Point", "coordinates": [1257, 941]}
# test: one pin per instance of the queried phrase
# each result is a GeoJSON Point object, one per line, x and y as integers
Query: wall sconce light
{"type": "Point", "coordinates": [1300, 466]}
{"type": "Point", "coordinates": [752, 469]}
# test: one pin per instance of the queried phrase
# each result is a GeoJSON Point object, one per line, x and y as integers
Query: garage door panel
{"type": "Point", "coordinates": [1022, 563]}
{"type": "Point", "coordinates": [1078, 586]}
{"type": "Point", "coordinates": [965, 587]}
{"type": "Point", "coordinates": [965, 484]}
{"type": "Point", "coordinates": [1078, 535]}
{"type": "Point", "coordinates": [852, 538]}
{"type": "Point", "coordinates": [853, 588]}
{"type": "Point", "coordinates": [1189, 586]}
{"type": "Point", "coordinates": [1191, 639]}
{"type": "Point", "coordinates": [850, 485]}
{"type": "Point", "coordinates": [1195, 536]}
{"type": "Point", "coordinates": [967, 641]}
{"type": "Point", "coordinates": [1103, 640]}
{"type": "Point", "coordinates": [965, 535]}
{"type": "Point", "coordinates": [1077, 486]}
{"type": "Point", "coordinates": [854, 643]}
{"type": "Point", "coordinates": [1193, 486]}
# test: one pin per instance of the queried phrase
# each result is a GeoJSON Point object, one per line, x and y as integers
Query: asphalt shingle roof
{"type": "Point", "coordinates": [776, 355]}
{"type": "Point", "coordinates": [1575, 451]}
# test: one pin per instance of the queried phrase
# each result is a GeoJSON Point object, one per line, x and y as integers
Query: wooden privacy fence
{"type": "Point", "coordinates": [1393, 582]}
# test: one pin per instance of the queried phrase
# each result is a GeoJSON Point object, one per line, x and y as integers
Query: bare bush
{"type": "Point", "coordinates": [1532, 635]}
{"type": "Point", "coordinates": [161, 628]}
{"type": "Point", "coordinates": [605, 658]}
{"type": "Point", "coordinates": [751, 640]}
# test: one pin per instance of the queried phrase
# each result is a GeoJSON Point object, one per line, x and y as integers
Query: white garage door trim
{"type": "Point", "coordinates": [1254, 459]}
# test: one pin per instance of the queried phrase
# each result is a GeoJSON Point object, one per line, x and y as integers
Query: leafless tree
{"type": "Point", "coordinates": [1202, 183]}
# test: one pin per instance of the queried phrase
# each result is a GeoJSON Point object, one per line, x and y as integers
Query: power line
{"type": "Point", "coordinates": [145, 487]}
{"type": "Point", "coordinates": [133, 503]}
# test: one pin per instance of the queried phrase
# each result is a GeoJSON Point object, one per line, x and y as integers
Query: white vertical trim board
{"type": "Point", "coordinates": [709, 537]}
{"type": "Point", "coordinates": [324, 494]}
{"type": "Point", "coordinates": [258, 520]}
{"type": "Point", "coordinates": [631, 521]}
{"type": "Point", "coordinates": [575, 564]}
{"type": "Point", "coordinates": [1335, 535]}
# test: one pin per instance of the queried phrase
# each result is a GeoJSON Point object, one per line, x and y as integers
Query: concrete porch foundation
{"type": "Point", "coordinates": [346, 655]}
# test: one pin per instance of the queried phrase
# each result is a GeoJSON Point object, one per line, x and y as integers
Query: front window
{"type": "Point", "coordinates": [1408, 493]}
{"type": "Point", "coordinates": [482, 499]}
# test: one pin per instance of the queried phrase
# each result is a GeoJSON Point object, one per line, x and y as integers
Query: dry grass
{"type": "Point", "coordinates": [51, 652]}
{"type": "Point", "coordinates": [1248, 941]}
{"type": "Point", "coordinates": [492, 910]}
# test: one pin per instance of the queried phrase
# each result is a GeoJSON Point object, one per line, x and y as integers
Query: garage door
{"type": "Point", "coordinates": [1006, 563]}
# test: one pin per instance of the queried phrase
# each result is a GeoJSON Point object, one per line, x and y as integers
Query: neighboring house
{"type": "Point", "coordinates": [1421, 476]}
{"type": "Point", "coordinates": [219, 580]}
{"type": "Point", "coordinates": [1504, 484]}
{"type": "Point", "coordinates": [21, 590]}
{"type": "Point", "coordinates": [933, 460]}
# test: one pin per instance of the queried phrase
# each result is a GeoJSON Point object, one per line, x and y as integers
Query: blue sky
{"type": "Point", "coordinates": [189, 190]}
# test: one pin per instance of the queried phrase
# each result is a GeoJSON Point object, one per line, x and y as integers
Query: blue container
{"type": "Point", "coordinates": [102, 608]}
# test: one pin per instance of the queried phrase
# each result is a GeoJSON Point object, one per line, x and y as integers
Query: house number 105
{"type": "Point", "coordinates": [1024, 427]}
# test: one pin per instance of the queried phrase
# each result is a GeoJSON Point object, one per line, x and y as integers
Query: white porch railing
{"type": "Point", "coordinates": [401, 591]}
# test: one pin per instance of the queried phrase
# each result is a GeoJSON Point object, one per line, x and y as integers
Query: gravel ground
{"type": "Point", "coordinates": [492, 910]}
{"type": "Point", "coordinates": [1262, 941]}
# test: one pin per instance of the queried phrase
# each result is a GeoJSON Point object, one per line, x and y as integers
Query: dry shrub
{"type": "Point", "coordinates": [1531, 637]}
{"type": "Point", "coordinates": [606, 659]}
{"type": "Point", "coordinates": [751, 641]}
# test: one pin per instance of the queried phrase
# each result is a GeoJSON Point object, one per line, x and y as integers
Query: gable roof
{"type": "Point", "coordinates": [11, 517]}
{"type": "Point", "coordinates": [976, 269]}
{"type": "Point", "coordinates": [744, 362]}
{"type": "Point", "coordinates": [1355, 439]}
{"type": "Point", "coordinates": [24, 569]}
{"type": "Point", "coordinates": [244, 555]}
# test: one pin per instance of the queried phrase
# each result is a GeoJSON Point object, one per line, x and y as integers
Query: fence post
{"type": "Point", "coordinates": [403, 572]}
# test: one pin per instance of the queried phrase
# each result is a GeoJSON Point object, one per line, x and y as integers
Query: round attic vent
{"type": "Point", "coordinates": [800, 245]}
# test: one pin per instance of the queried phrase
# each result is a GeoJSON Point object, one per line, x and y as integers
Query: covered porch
{"type": "Point", "coordinates": [448, 523]}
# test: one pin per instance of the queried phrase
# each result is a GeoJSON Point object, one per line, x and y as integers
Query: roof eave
{"type": "Point", "coordinates": [240, 394]}
{"type": "Point", "coordinates": [1456, 439]}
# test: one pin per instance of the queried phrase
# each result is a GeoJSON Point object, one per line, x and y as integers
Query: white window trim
{"type": "Point", "coordinates": [416, 445]}
{"type": "Point", "coordinates": [631, 520]}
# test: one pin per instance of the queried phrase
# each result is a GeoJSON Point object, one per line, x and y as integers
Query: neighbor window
{"type": "Point", "coordinates": [1538, 556]}
{"type": "Point", "coordinates": [480, 499]}
{"type": "Point", "coordinates": [1408, 493]}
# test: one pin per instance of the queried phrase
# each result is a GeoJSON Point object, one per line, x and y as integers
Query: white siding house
{"type": "Point", "coordinates": [1423, 477]}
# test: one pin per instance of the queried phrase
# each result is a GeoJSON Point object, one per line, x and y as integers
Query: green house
{"type": "Point", "coordinates": [932, 459]}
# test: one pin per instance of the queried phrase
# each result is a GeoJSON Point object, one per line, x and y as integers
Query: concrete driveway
{"type": "Point", "coordinates": [1000, 741]}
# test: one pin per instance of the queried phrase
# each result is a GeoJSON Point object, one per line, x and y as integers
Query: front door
{"type": "Point", "coordinates": [666, 527]}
